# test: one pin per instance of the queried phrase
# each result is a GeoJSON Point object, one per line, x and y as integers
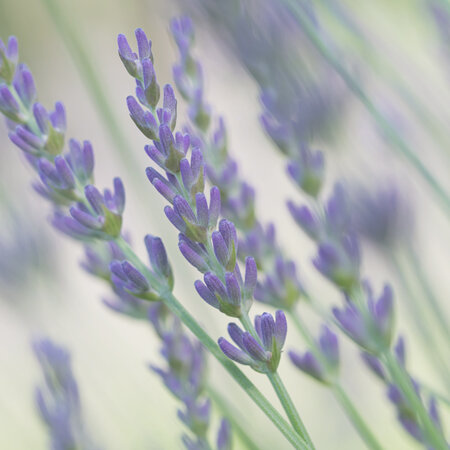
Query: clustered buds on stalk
{"type": "Point", "coordinates": [372, 325]}
{"type": "Point", "coordinates": [262, 353]}
{"type": "Point", "coordinates": [185, 378]}
{"type": "Point", "coordinates": [210, 248]}
{"type": "Point", "coordinates": [281, 287]}
{"type": "Point", "coordinates": [58, 399]}
{"type": "Point", "coordinates": [406, 413]}
{"type": "Point", "coordinates": [321, 362]}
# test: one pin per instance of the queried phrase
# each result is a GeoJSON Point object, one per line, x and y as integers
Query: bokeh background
{"type": "Point", "coordinates": [43, 292]}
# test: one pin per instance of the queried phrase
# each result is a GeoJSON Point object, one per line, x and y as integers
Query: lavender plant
{"type": "Point", "coordinates": [219, 238]}
{"type": "Point", "coordinates": [84, 213]}
{"type": "Point", "coordinates": [281, 286]}
{"type": "Point", "coordinates": [58, 399]}
{"type": "Point", "coordinates": [209, 248]}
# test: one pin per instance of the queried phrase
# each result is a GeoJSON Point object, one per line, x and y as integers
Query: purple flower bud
{"type": "Point", "coordinates": [158, 257]}
{"type": "Point", "coordinates": [206, 294]}
{"type": "Point", "coordinates": [280, 329]}
{"type": "Point", "coordinates": [374, 364]}
{"type": "Point", "coordinates": [224, 441]}
{"type": "Point", "coordinates": [328, 343]}
{"type": "Point", "coordinates": [24, 86]}
{"type": "Point", "coordinates": [253, 348]}
{"type": "Point", "coordinates": [214, 206]}
{"type": "Point", "coordinates": [308, 363]}
{"type": "Point", "coordinates": [234, 353]}
{"type": "Point", "coordinates": [192, 253]}
{"type": "Point", "coordinates": [306, 220]}
{"type": "Point", "coordinates": [144, 45]}
{"type": "Point", "coordinates": [8, 105]}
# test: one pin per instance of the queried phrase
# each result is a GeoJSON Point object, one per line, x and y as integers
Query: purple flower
{"type": "Point", "coordinates": [58, 399]}
{"type": "Point", "coordinates": [262, 355]}
{"type": "Point", "coordinates": [373, 328]}
{"type": "Point", "coordinates": [321, 362]}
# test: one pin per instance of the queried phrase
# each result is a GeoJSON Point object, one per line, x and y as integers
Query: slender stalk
{"type": "Point", "coordinates": [188, 320]}
{"type": "Point", "coordinates": [233, 417]}
{"type": "Point", "coordinates": [289, 406]}
{"type": "Point", "coordinates": [396, 140]}
{"type": "Point", "coordinates": [420, 316]}
{"type": "Point", "coordinates": [403, 380]}
{"type": "Point", "coordinates": [341, 396]}
{"type": "Point", "coordinates": [367, 50]}
{"type": "Point", "coordinates": [431, 299]}
{"type": "Point", "coordinates": [354, 416]}
{"type": "Point", "coordinates": [280, 389]}
{"type": "Point", "coordinates": [85, 65]}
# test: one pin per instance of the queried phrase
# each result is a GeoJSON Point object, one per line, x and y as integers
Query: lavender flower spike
{"type": "Point", "coordinates": [321, 362]}
{"type": "Point", "coordinates": [58, 400]}
{"type": "Point", "coordinates": [263, 355]}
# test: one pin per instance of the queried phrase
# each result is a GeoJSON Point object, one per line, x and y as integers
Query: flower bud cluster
{"type": "Point", "coordinates": [322, 361]}
{"type": "Point", "coordinates": [58, 400]}
{"type": "Point", "coordinates": [280, 287]}
{"type": "Point", "coordinates": [262, 352]}
{"type": "Point", "coordinates": [209, 247]}
{"type": "Point", "coordinates": [406, 414]}
{"type": "Point", "coordinates": [184, 376]}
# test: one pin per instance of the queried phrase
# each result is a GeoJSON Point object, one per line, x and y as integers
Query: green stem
{"type": "Point", "coordinates": [289, 406]}
{"type": "Point", "coordinates": [403, 381]}
{"type": "Point", "coordinates": [350, 410]}
{"type": "Point", "coordinates": [85, 65]}
{"type": "Point", "coordinates": [396, 140]}
{"type": "Point", "coordinates": [434, 304]}
{"type": "Point", "coordinates": [282, 393]}
{"type": "Point", "coordinates": [356, 419]}
{"type": "Point", "coordinates": [252, 391]}
{"type": "Point", "coordinates": [420, 316]}
{"type": "Point", "coordinates": [233, 417]}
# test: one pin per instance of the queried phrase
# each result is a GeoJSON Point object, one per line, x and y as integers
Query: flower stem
{"type": "Point", "coordinates": [420, 317]}
{"type": "Point", "coordinates": [233, 417]}
{"type": "Point", "coordinates": [289, 406]}
{"type": "Point", "coordinates": [434, 436]}
{"type": "Point", "coordinates": [282, 393]}
{"type": "Point", "coordinates": [356, 419]}
{"type": "Point", "coordinates": [396, 140]}
{"type": "Point", "coordinates": [188, 320]}
{"type": "Point", "coordinates": [433, 303]}
{"type": "Point", "coordinates": [341, 396]}
{"type": "Point", "coordinates": [85, 65]}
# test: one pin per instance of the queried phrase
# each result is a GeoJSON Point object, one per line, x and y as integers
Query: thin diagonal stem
{"type": "Point", "coordinates": [420, 318]}
{"type": "Point", "coordinates": [398, 143]}
{"type": "Point", "coordinates": [354, 416]}
{"type": "Point", "coordinates": [431, 299]}
{"type": "Point", "coordinates": [403, 380]}
{"type": "Point", "coordinates": [341, 396]}
{"type": "Point", "coordinates": [233, 417]}
{"type": "Point", "coordinates": [188, 320]}
{"type": "Point", "coordinates": [84, 63]}
{"type": "Point", "coordinates": [280, 389]}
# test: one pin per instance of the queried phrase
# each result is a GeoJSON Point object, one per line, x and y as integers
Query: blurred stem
{"type": "Point", "coordinates": [233, 417]}
{"type": "Point", "coordinates": [188, 320]}
{"type": "Point", "coordinates": [402, 379]}
{"type": "Point", "coordinates": [426, 118]}
{"type": "Point", "coordinates": [438, 396]}
{"type": "Point", "coordinates": [420, 317]}
{"type": "Point", "coordinates": [431, 300]}
{"type": "Point", "coordinates": [85, 65]}
{"type": "Point", "coordinates": [280, 389]}
{"type": "Point", "coordinates": [341, 396]}
{"type": "Point", "coordinates": [396, 140]}
{"type": "Point", "coordinates": [354, 416]}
